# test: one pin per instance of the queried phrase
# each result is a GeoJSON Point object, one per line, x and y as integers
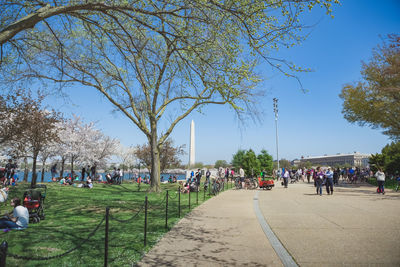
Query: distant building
{"type": "Point", "coordinates": [295, 162]}
{"type": "Point", "coordinates": [356, 159]}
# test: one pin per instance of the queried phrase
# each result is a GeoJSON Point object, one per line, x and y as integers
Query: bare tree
{"type": "Point", "coordinates": [171, 58]}
{"type": "Point", "coordinates": [169, 155]}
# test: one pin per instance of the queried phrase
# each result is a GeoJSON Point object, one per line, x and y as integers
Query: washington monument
{"type": "Point", "coordinates": [191, 146]}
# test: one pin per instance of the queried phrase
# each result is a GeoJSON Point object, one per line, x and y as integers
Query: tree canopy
{"type": "Point", "coordinates": [388, 159]}
{"type": "Point", "coordinates": [156, 61]}
{"type": "Point", "coordinates": [28, 127]}
{"type": "Point", "coordinates": [375, 101]}
{"type": "Point", "coordinates": [169, 155]}
{"type": "Point", "coordinates": [251, 163]}
{"type": "Point", "coordinates": [221, 163]}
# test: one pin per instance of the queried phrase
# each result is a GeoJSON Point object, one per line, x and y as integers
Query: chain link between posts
{"type": "Point", "coordinates": [130, 219]}
{"type": "Point", "coordinates": [62, 254]}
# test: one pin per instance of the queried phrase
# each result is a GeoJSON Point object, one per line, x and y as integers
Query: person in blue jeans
{"type": "Point", "coordinates": [329, 181]}
{"type": "Point", "coordinates": [319, 181]}
{"type": "Point", "coordinates": [380, 177]}
{"type": "Point", "coordinates": [19, 219]}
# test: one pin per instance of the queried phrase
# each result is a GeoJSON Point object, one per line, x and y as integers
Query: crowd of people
{"type": "Point", "coordinates": [8, 174]}
{"type": "Point", "coordinates": [330, 177]}
{"type": "Point", "coordinates": [192, 184]}
{"type": "Point", "coordinates": [90, 174]}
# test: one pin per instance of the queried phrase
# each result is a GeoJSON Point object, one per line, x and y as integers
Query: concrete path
{"type": "Point", "coordinates": [355, 226]}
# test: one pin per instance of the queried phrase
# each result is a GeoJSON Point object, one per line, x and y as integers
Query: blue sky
{"type": "Point", "coordinates": [310, 124]}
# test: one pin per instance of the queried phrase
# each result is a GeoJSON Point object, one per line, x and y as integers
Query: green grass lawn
{"type": "Point", "coordinates": [72, 214]}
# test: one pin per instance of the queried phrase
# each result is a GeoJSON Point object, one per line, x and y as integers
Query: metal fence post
{"type": "Point", "coordinates": [166, 211]}
{"type": "Point", "coordinates": [197, 197]}
{"type": "Point", "coordinates": [189, 198]}
{"type": "Point", "coordinates": [3, 253]}
{"type": "Point", "coordinates": [145, 221]}
{"type": "Point", "coordinates": [179, 202]}
{"type": "Point", "coordinates": [106, 238]}
{"type": "Point", "coordinates": [204, 195]}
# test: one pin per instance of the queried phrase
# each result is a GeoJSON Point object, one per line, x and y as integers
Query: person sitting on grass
{"type": "Point", "coordinates": [99, 178]}
{"type": "Point", "coordinates": [193, 186]}
{"type": "Point", "coordinates": [89, 182]}
{"type": "Point", "coordinates": [63, 181]}
{"type": "Point", "coordinates": [19, 218]}
{"type": "Point", "coordinates": [69, 181]}
{"type": "Point", "coordinates": [185, 188]}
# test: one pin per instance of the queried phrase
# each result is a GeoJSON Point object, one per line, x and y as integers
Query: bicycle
{"type": "Point", "coordinates": [206, 184]}
{"type": "Point", "coordinates": [238, 183]}
{"type": "Point", "coordinates": [251, 183]}
{"type": "Point", "coordinates": [215, 187]}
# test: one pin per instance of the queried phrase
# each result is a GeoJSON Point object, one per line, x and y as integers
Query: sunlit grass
{"type": "Point", "coordinates": [73, 213]}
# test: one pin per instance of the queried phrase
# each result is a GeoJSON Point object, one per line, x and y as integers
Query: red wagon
{"type": "Point", "coordinates": [266, 183]}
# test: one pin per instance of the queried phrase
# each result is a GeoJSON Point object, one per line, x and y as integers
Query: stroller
{"type": "Point", "coordinates": [34, 202]}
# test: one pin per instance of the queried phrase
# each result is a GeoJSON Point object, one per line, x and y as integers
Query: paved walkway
{"type": "Point", "coordinates": [355, 226]}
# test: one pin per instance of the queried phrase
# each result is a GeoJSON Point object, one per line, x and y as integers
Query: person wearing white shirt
{"type": "Point", "coordinates": [380, 177]}
{"type": "Point", "coordinates": [286, 178]}
{"type": "Point", "coordinates": [329, 181]}
{"type": "Point", "coordinates": [19, 218]}
{"type": "Point", "coordinates": [241, 174]}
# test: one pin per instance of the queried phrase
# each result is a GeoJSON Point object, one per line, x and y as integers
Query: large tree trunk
{"type": "Point", "coordinates": [155, 184]}
{"type": "Point", "coordinates": [34, 174]}
{"type": "Point", "coordinates": [26, 170]}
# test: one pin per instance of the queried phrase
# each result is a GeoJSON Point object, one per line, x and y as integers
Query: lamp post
{"type": "Point", "coordinates": [276, 129]}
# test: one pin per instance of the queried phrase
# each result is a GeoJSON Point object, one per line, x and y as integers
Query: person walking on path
{"type": "Point", "coordinates": [319, 180]}
{"type": "Point", "coordinates": [241, 175]}
{"type": "Point", "coordinates": [329, 181]}
{"type": "Point", "coordinates": [380, 177]}
{"type": "Point", "coordinates": [286, 178]}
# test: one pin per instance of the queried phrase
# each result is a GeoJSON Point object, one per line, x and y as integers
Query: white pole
{"type": "Point", "coordinates": [276, 129]}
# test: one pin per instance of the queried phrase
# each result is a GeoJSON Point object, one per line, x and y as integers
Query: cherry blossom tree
{"type": "Point", "coordinates": [83, 144]}
{"type": "Point", "coordinates": [127, 156]}
{"type": "Point", "coordinates": [46, 153]}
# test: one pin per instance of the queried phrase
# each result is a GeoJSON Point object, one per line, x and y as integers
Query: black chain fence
{"type": "Point", "coordinates": [162, 205]}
